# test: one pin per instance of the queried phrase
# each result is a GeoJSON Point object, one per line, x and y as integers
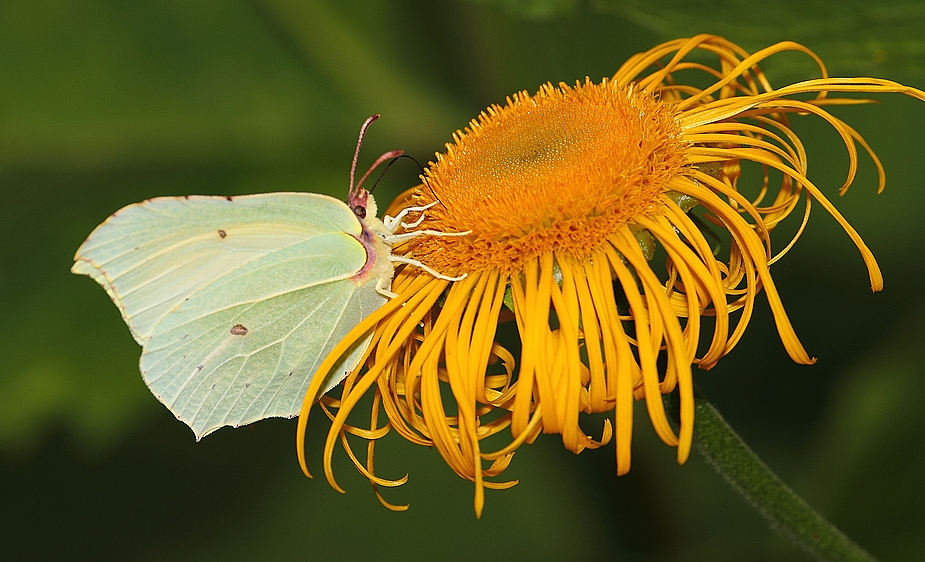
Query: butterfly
{"type": "Point", "coordinates": [235, 301]}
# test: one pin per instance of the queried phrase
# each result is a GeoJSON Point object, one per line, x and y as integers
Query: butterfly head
{"type": "Point", "coordinates": [359, 202]}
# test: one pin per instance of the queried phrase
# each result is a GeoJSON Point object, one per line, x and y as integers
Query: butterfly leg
{"type": "Point", "coordinates": [416, 263]}
{"type": "Point", "coordinates": [405, 236]}
{"type": "Point", "coordinates": [393, 223]}
{"type": "Point", "coordinates": [383, 287]}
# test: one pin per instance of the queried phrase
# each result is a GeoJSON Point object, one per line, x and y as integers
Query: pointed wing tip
{"type": "Point", "coordinates": [82, 266]}
{"type": "Point", "coordinates": [200, 432]}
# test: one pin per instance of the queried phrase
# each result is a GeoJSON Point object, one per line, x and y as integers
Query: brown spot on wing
{"type": "Point", "coordinates": [222, 233]}
{"type": "Point", "coordinates": [239, 330]}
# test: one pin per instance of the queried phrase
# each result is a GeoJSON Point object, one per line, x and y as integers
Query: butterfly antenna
{"type": "Point", "coordinates": [356, 154]}
{"type": "Point", "coordinates": [398, 157]}
{"type": "Point", "coordinates": [437, 199]}
{"type": "Point", "coordinates": [393, 154]}
{"type": "Point", "coordinates": [423, 180]}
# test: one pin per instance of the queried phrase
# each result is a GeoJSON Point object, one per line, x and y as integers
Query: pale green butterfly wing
{"type": "Point", "coordinates": [235, 300]}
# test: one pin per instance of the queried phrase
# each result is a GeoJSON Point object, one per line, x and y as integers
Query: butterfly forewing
{"type": "Point", "coordinates": [152, 255]}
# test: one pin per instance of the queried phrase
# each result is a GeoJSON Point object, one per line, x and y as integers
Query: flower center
{"type": "Point", "coordinates": [558, 171]}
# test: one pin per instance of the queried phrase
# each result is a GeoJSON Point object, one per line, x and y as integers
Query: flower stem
{"type": "Point", "coordinates": [786, 512]}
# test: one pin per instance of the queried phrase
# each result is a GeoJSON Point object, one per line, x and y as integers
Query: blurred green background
{"type": "Point", "coordinates": [107, 103]}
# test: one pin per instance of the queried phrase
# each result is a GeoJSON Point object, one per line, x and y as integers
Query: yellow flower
{"type": "Point", "coordinates": [564, 196]}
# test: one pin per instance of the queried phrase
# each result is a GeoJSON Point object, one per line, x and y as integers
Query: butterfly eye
{"type": "Point", "coordinates": [360, 211]}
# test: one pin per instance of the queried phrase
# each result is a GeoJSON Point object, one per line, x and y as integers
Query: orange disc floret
{"type": "Point", "coordinates": [562, 170]}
